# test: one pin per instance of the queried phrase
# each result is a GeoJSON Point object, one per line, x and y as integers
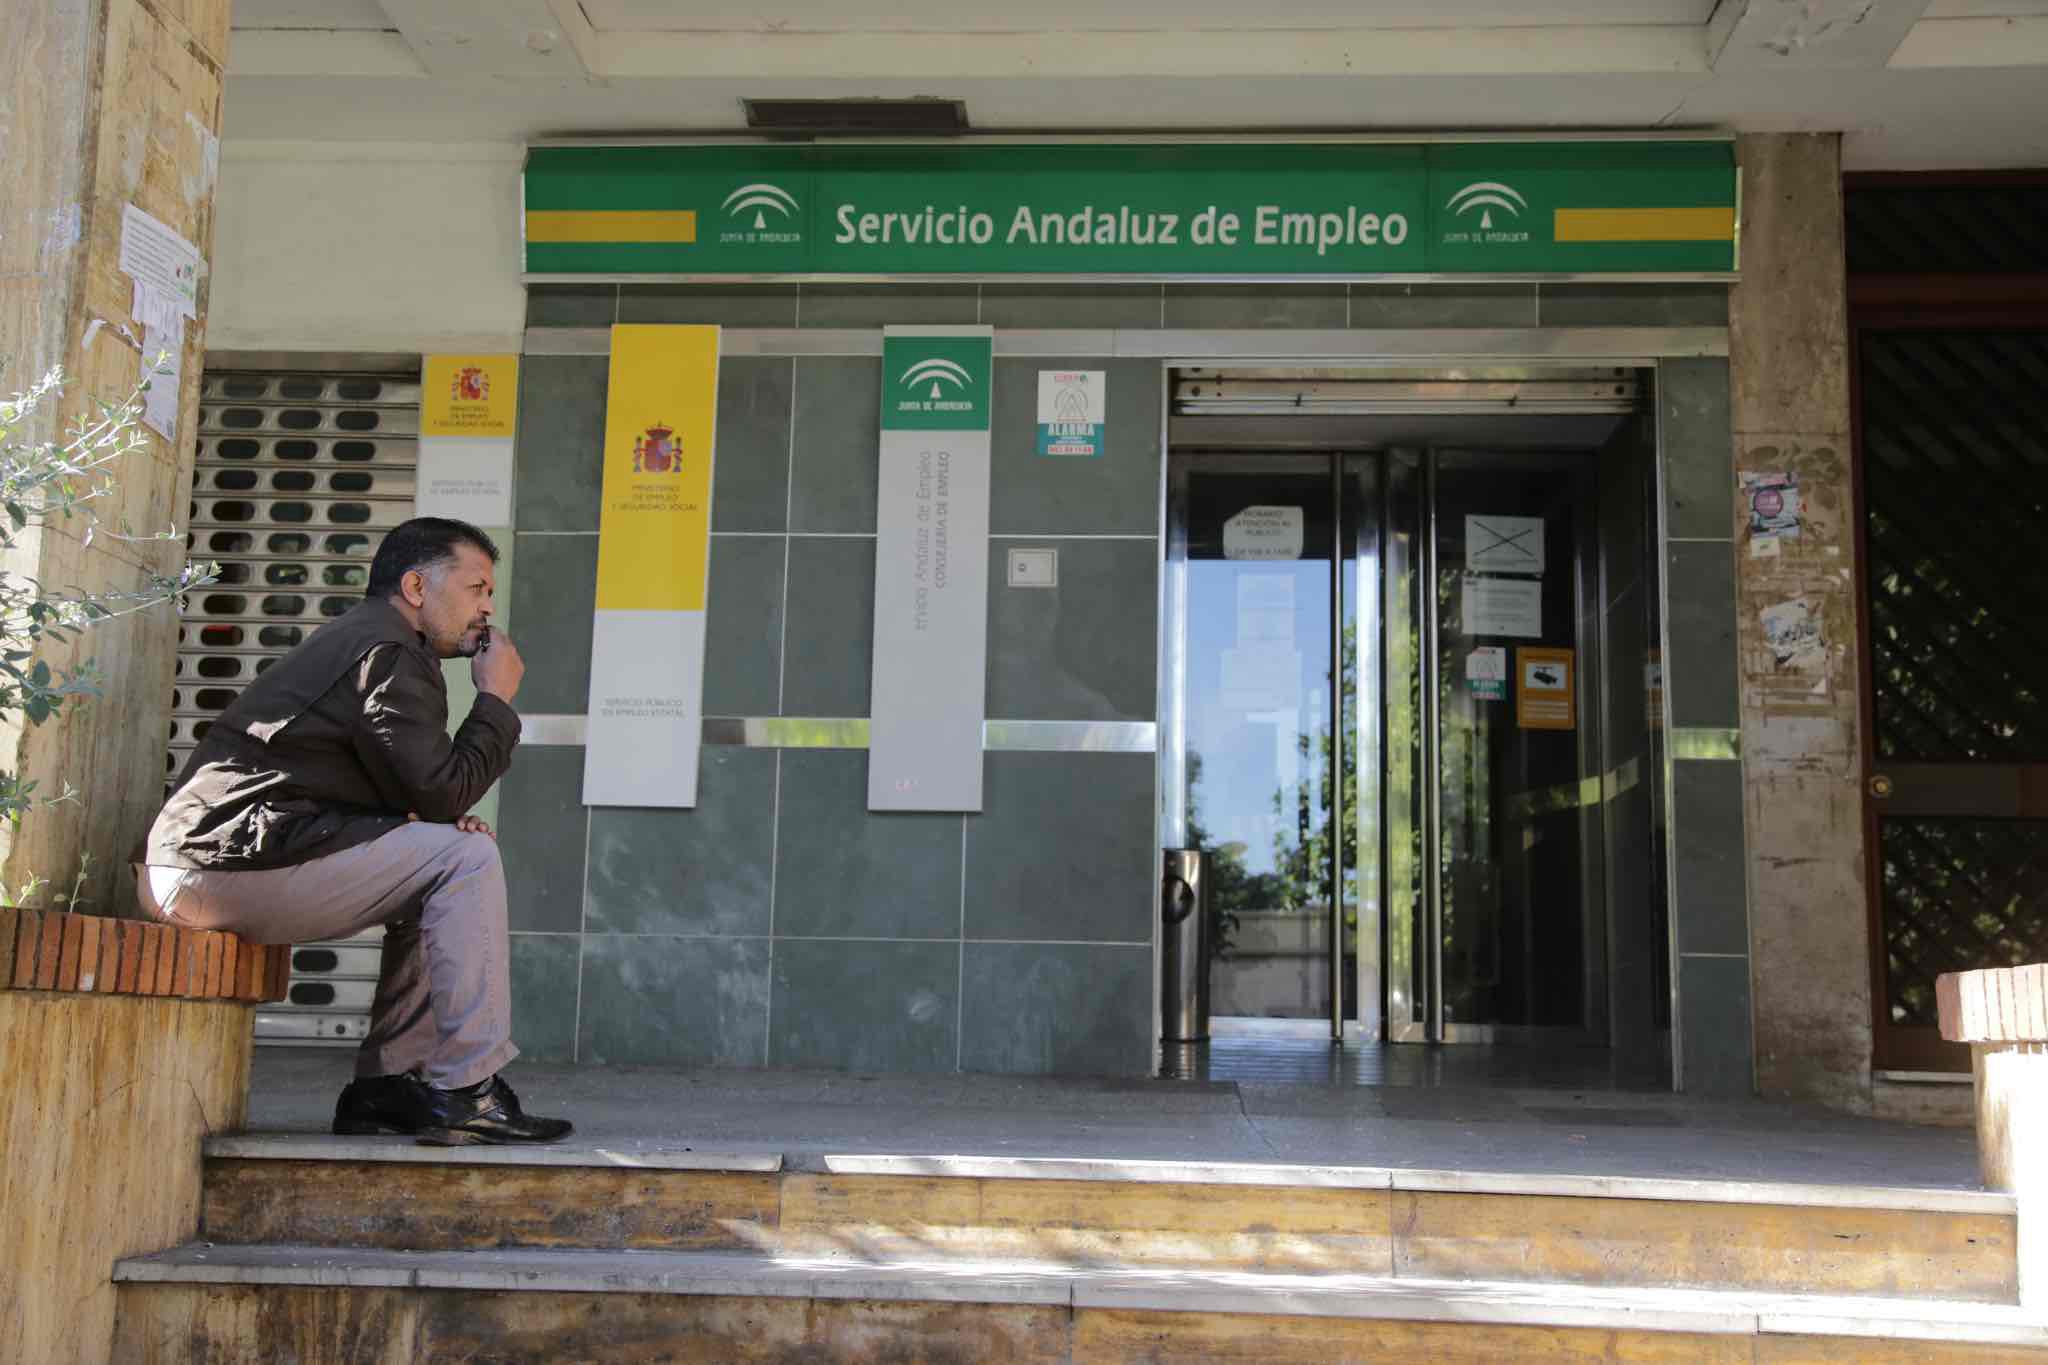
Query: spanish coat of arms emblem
{"type": "Point", "coordinates": [658, 452]}
{"type": "Point", "coordinates": [470, 385]}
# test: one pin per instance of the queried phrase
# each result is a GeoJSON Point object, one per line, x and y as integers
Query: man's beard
{"type": "Point", "coordinates": [466, 643]}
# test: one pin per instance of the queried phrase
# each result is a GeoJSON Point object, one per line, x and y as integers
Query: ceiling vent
{"type": "Point", "coordinates": [923, 116]}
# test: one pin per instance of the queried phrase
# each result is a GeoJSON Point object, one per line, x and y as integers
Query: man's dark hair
{"type": "Point", "coordinates": [422, 543]}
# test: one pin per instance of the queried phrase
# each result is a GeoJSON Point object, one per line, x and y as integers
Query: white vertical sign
{"type": "Point", "coordinates": [931, 571]}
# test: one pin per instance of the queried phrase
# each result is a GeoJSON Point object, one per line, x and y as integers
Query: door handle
{"type": "Point", "coordinates": [1880, 786]}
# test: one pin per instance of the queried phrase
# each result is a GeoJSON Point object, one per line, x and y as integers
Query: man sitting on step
{"type": "Point", "coordinates": [329, 798]}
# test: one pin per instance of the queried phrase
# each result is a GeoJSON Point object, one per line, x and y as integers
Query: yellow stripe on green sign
{"type": "Point", "coordinates": [611, 225]}
{"type": "Point", "coordinates": [1645, 225]}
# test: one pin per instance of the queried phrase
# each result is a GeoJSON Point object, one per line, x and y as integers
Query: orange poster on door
{"type": "Point", "coordinates": [1546, 692]}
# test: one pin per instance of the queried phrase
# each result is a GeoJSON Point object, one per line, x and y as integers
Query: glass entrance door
{"type": "Point", "coordinates": [1377, 722]}
{"type": "Point", "coordinates": [1501, 935]}
{"type": "Point", "coordinates": [1273, 648]}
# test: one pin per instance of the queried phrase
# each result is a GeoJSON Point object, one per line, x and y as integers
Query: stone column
{"type": "Point", "coordinates": [114, 102]}
{"type": "Point", "coordinates": [1789, 377]}
{"type": "Point", "coordinates": [2002, 1013]}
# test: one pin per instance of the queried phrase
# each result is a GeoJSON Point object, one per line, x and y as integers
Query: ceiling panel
{"type": "Point", "coordinates": [989, 16]}
{"type": "Point", "coordinates": [1905, 120]}
{"type": "Point", "coordinates": [330, 14]}
{"type": "Point", "coordinates": [1986, 9]}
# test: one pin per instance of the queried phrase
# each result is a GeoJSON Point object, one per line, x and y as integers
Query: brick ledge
{"type": "Point", "coordinates": [49, 950]}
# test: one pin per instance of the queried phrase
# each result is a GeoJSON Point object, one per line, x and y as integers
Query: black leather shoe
{"type": "Point", "coordinates": [487, 1112]}
{"type": "Point", "coordinates": [383, 1104]}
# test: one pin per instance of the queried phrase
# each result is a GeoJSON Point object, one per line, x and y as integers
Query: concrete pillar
{"type": "Point", "coordinates": [113, 102]}
{"type": "Point", "coordinates": [1801, 709]}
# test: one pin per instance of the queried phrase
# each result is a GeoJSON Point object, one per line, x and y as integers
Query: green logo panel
{"type": "Point", "coordinates": [935, 383]}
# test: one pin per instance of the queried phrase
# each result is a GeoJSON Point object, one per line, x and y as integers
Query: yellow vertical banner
{"type": "Point", "coordinates": [653, 558]}
{"type": "Point", "coordinates": [655, 528]}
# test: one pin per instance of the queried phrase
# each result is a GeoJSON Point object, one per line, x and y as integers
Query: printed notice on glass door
{"type": "Point", "coordinates": [1546, 697]}
{"type": "Point", "coordinates": [1264, 533]}
{"type": "Point", "coordinates": [1486, 673]}
{"type": "Point", "coordinates": [1503, 544]}
{"type": "Point", "coordinates": [1503, 606]}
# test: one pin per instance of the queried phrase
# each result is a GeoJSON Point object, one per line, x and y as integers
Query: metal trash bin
{"type": "Point", "coordinates": [1184, 946]}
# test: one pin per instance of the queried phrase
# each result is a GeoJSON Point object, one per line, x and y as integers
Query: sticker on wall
{"type": "Point", "coordinates": [1503, 544]}
{"type": "Point", "coordinates": [1072, 412]}
{"type": "Point", "coordinates": [1546, 696]}
{"type": "Point", "coordinates": [1486, 673]}
{"type": "Point", "coordinates": [1503, 606]}
{"type": "Point", "coordinates": [469, 407]}
{"type": "Point", "coordinates": [1777, 513]}
{"type": "Point", "coordinates": [1265, 533]}
{"type": "Point", "coordinates": [1792, 632]}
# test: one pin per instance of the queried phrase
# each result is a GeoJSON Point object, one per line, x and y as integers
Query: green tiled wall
{"type": "Point", "coordinates": [779, 922]}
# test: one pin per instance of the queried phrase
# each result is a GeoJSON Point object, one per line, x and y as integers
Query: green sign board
{"type": "Point", "coordinates": [935, 380]}
{"type": "Point", "coordinates": [1191, 210]}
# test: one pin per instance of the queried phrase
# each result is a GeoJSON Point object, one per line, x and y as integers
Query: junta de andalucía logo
{"type": "Point", "coordinates": [774, 210]}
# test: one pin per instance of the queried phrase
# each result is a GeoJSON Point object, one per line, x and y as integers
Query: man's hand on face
{"type": "Point", "coordinates": [498, 668]}
{"type": "Point", "coordinates": [468, 824]}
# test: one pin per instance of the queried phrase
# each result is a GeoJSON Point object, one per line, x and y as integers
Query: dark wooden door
{"type": "Point", "coordinates": [1954, 474]}
{"type": "Point", "coordinates": [1948, 290]}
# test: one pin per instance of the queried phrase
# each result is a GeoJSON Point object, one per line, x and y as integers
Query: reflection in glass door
{"type": "Point", "coordinates": [1273, 649]}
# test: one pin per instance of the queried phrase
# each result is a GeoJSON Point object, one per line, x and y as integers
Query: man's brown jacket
{"type": "Point", "coordinates": [333, 746]}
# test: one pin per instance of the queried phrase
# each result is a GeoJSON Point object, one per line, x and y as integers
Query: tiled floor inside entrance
{"type": "Point", "coordinates": [1265, 1059]}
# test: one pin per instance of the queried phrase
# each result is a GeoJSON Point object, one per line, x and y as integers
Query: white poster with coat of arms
{"type": "Point", "coordinates": [468, 408]}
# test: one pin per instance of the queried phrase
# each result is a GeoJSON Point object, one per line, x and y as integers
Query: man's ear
{"type": "Point", "coordinates": [413, 587]}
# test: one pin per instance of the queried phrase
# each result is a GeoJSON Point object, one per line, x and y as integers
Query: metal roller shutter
{"type": "Point", "coordinates": [298, 476]}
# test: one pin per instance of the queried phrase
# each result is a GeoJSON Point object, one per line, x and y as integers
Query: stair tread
{"type": "Point", "coordinates": [1083, 1286]}
{"type": "Point", "coordinates": [662, 1156]}
{"type": "Point", "coordinates": [659, 1155]}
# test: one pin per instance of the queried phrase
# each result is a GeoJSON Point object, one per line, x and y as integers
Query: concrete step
{"type": "Point", "coordinates": [322, 1303]}
{"type": "Point", "coordinates": [1806, 1239]}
